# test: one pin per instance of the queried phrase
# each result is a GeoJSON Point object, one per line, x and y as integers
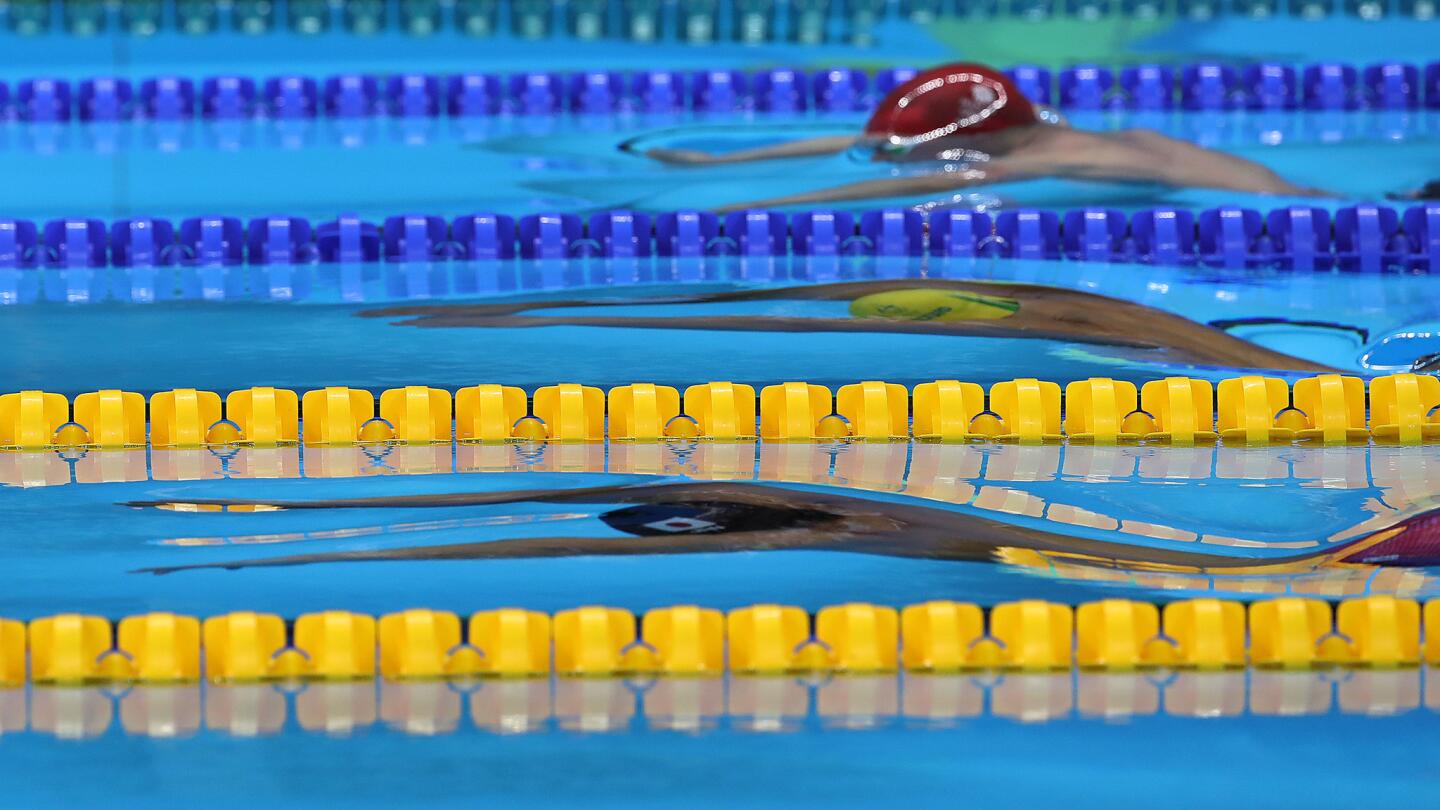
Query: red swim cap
{"type": "Point", "coordinates": [950, 99]}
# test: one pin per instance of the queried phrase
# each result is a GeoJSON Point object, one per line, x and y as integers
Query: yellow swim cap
{"type": "Point", "coordinates": [933, 305]}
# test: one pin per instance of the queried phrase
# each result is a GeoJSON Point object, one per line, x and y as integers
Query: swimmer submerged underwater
{"type": "Point", "coordinates": [963, 125]}
{"type": "Point", "coordinates": [706, 517]}
{"type": "Point", "coordinates": [933, 307]}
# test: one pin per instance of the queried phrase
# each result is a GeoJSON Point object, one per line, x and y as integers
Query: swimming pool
{"type": "Point", "coordinates": [842, 414]}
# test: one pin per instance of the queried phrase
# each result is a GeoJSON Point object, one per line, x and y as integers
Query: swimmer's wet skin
{"type": "Point", "coordinates": [970, 308]}
{"type": "Point", "coordinates": [976, 126]}
{"type": "Point", "coordinates": [728, 517]}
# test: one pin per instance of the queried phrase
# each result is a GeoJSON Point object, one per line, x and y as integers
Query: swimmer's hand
{"type": "Point", "coordinates": [683, 157]}
{"type": "Point", "coordinates": [1430, 191]}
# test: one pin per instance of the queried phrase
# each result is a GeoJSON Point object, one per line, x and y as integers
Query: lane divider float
{"type": "Point", "coordinates": [597, 641]}
{"type": "Point", "coordinates": [1252, 410]}
{"type": "Point", "coordinates": [1364, 237]}
{"type": "Point", "coordinates": [1207, 86]}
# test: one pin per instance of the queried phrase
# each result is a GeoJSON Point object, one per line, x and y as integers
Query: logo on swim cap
{"type": "Point", "coordinates": [976, 107]}
{"type": "Point", "coordinates": [679, 525]}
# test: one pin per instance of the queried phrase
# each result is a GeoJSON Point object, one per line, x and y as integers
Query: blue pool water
{"type": "Point", "coordinates": [380, 167]}
{"type": "Point", "coordinates": [1091, 762]}
{"type": "Point", "coordinates": [1336, 318]}
{"type": "Point", "coordinates": [1282, 505]}
{"type": "Point", "coordinates": [87, 530]}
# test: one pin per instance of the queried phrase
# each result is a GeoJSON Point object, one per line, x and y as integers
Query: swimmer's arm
{"type": "Point", "coordinates": [993, 172]}
{"type": "Point", "coordinates": [1145, 156]}
{"type": "Point", "coordinates": [735, 492]}
{"type": "Point", "coordinates": [545, 547]}
{"type": "Point", "coordinates": [812, 147]}
{"type": "Point", "coordinates": [1186, 165]}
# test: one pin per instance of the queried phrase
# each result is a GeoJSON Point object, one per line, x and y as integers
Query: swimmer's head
{"type": "Point", "coordinates": [957, 99]}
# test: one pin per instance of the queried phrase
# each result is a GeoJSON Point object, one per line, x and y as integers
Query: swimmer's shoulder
{"type": "Point", "coordinates": [1119, 143]}
{"type": "Point", "coordinates": [1150, 139]}
{"type": "Point", "coordinates": [1065, 146]}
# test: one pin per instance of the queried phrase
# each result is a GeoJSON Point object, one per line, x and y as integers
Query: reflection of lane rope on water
{"type": "Point", "coordinates": [753, 704]}
{"type": "Point", "coordinates": [866, 465]}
